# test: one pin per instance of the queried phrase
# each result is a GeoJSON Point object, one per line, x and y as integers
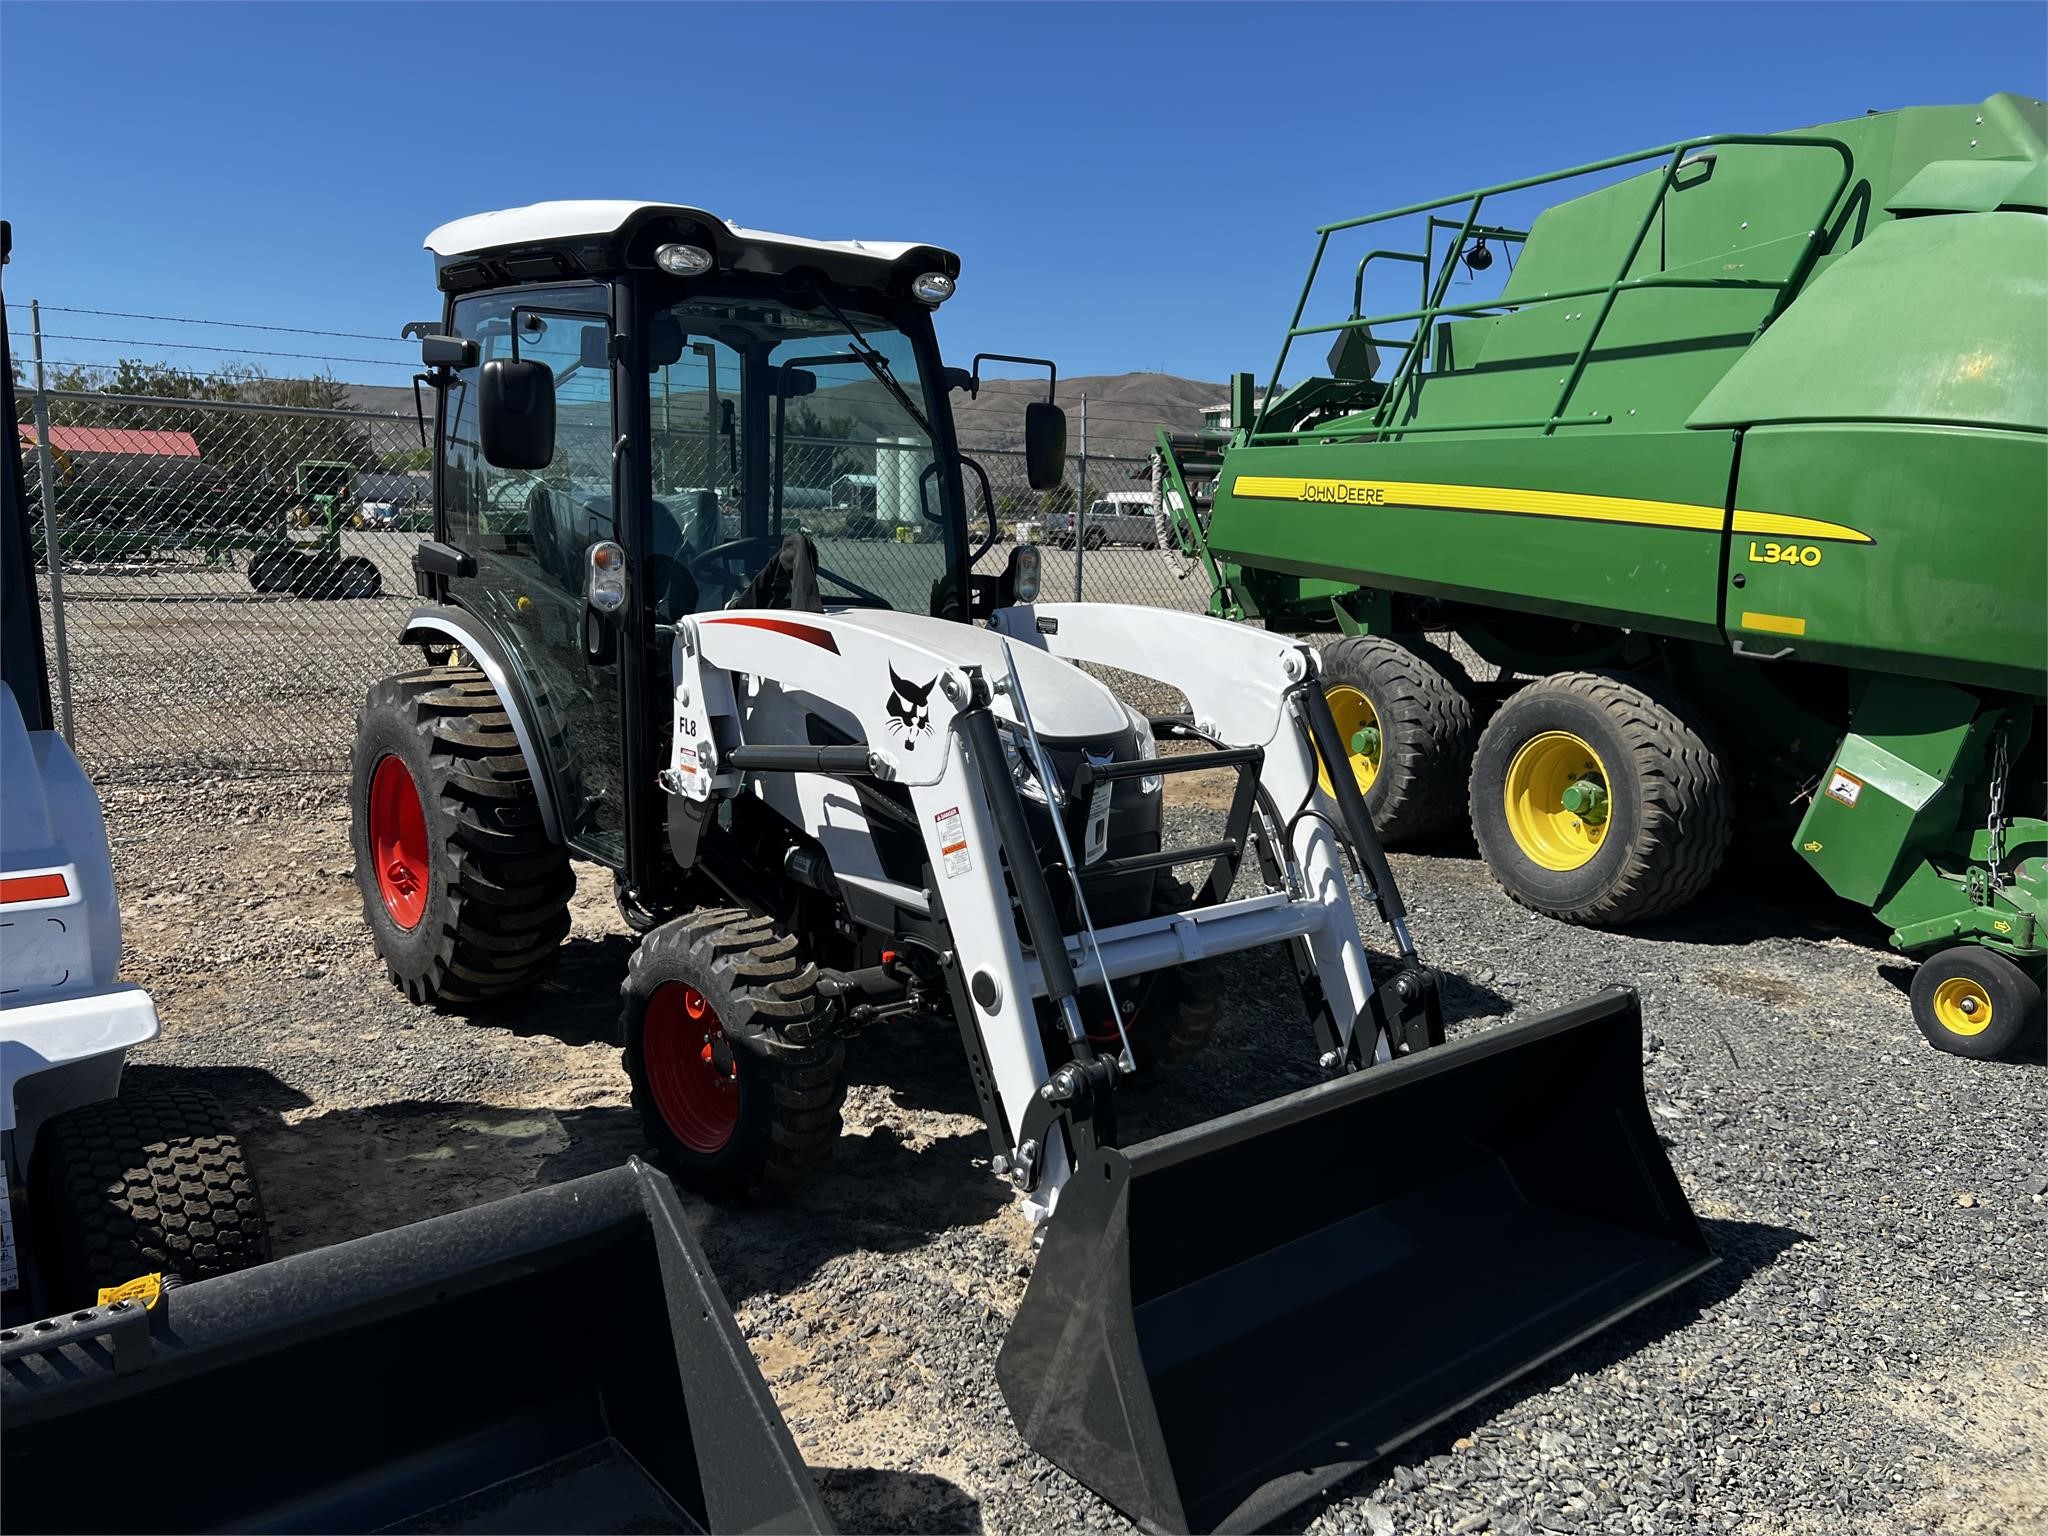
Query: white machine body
{"type": "Point", "coordinates": [897, 682]}
{"type": "Point", "coordinates": [66, 1023]}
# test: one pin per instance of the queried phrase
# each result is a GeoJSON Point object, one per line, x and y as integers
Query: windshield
{"type": "Point", "coordinates": [769, 418]}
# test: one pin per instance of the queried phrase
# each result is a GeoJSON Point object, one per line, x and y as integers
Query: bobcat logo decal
{"type": "Point", "coordinates": [910, 713]}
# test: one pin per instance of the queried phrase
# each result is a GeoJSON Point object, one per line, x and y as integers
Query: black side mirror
{"type": "Point", "coordinates": [594, 348]}
{"type": "Point", "coordinates": [1045, 444]}
{"type": "Point", "coordinates": [794, 383]}
{"type": "Point", "coordinates": [665, 341]}
{"type": "Point", "coordinates": [516, 413]}
{"type": "Point", "coordinates": [456, 352]}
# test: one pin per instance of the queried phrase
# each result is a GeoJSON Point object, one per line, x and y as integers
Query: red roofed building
{"type": "Point", "coordinates": [143, 444]}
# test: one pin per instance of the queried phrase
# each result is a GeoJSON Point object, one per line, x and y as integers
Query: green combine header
{"type": "Point", "coordinates": [1739, 480]}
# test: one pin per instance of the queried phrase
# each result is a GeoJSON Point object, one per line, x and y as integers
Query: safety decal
{"type": "Point", "coordinates": [953, 843]}
{"type": "Point", "coordinates": [1845, 787]}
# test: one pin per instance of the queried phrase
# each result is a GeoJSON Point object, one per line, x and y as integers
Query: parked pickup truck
{"type": "Point", "coordinates": [1122, 517]}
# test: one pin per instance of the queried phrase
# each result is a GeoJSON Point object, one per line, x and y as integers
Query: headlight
{"type": "Point", "coordinates": [932, 288]}
{"type": "Point", "coordinates": [1148, 749]}
{"type": "Point", "coordinates": [682, 260]}
{"type": "Point", "coordinates": [1025, 772]}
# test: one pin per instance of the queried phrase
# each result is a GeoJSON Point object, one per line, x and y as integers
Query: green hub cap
{"type": "Point", "coordinates": [1586, 799]}
{"type": "Point", "coordinates": [1366, 742]}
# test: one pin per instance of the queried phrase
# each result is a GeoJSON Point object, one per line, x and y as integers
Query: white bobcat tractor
{"type": "Point", "coordinates": [844, 780]}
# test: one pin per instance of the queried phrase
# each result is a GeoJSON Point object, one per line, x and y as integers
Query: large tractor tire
{"type": "Point", "coordinates": [273, 570]}
{"type": "Point", "coordinates": [1405, 708]}
{"type": "Point", "coordinates": [466, 896]}
{"type": "Point", "coordinates": [148, 1182]}
{"type": "Point", "coordinates": [1975, 1002]}
{"type": "Point", "coordinates": [1597, 799]}
{"type": "Point", "coordinates": [737, 1087]}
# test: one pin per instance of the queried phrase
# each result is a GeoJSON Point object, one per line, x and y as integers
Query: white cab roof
{"type": "Point", "coordinates": [542, 223]}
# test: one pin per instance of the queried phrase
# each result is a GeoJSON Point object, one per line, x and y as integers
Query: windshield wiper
{"type": "Point", "coordinates": [877, 364]}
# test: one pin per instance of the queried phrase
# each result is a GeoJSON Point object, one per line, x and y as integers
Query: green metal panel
{"type": "Point", "coordinates": [1953, 582]}
{"type": "Point", "coordinates": [1940, 319]}
{"type": "Point", "coordinates": [1564, 531]}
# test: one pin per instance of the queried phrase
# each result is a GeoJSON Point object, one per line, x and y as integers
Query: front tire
{"type": "Point", "coordinates": [1404, 707]}
{"type": "Point", "coordinates": [149, 1182]}
{"type": "Point", "coordinates": [1975, 1002]}
{"type": "Point", "coordinates": [1596, 800]}
{"type": "Point", "coordinates": [737, 1087]}
{"type": "Point", "coordinates": [465, 895]}
{"type": "Point", "coordinates": [1179, 1008]}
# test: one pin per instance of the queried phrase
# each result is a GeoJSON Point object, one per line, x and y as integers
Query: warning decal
{"type": "Point", "coordinates": [953, 843]}
{"type": "Point", "coordinates": [1844, 787]}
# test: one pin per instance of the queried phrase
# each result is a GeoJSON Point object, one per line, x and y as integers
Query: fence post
{"type": "Point", "coordinates": [1077, 522]}
{"type": "Point", "coordinates": [53, 557]}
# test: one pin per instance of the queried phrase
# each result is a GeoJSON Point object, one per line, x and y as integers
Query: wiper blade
{"type": "Point", "coordinates": [877, 364]}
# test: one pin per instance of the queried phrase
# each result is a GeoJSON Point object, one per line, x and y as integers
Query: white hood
{"type": "Point", "coordinates": [1066, 703]}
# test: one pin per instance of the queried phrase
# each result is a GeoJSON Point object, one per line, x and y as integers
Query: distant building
{"type": "Point", "coordinates": [1216, 418]}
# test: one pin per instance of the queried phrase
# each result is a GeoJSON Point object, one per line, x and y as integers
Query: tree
{"type": "Point", "coordinates": [250, 446]}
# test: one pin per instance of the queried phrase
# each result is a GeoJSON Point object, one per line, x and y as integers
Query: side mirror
{"type": "Point", "coordinates": [454, 352]}
{"type": "Point", "coordinates": [515, 406]}
{"type": "Point", "coordinates": [665, 341]}
{"type": "Point", "coordinates": [594, 347]}
{"type": "Point", "coordinates": [793, 383]}
{"type": "Point", "coordinates": [1045, 444]}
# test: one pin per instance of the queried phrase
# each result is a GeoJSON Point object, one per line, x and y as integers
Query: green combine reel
{"type": "Point", "coordinates": [1737, 485]}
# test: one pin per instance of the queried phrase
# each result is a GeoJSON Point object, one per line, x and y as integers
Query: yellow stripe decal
{"type": "Point", "coordinates": [1774, 623]}
{"type": "Point", "coordinates": [1632, 510]}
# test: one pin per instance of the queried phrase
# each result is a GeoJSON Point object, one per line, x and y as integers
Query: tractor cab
{"type": "Point", "coordinates": [640, 406]}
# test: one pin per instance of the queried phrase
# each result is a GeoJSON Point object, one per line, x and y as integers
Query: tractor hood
{"type": "Point", "coordinates": [1066, 703]}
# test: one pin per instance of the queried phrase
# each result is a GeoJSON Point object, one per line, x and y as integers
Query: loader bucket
{"type": "Point", "coordinates": [558, 1361]}
{"type": "Point", "coordinates": [1229, 1319]}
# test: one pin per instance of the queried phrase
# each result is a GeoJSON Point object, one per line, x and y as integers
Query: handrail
{"type": "Point", "coordinates": [1410, 369]}
{"type": "Point", "coordinates": [1358, 283]}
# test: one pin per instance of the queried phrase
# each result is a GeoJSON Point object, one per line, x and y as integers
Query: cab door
{"type": "Point", "coordinates": [530, 532]}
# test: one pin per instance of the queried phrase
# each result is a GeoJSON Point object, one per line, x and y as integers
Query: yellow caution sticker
{"type": "Point", "coordinates": [1774, 623]}
{"type": "Point", "coordinates": [147, 1289]}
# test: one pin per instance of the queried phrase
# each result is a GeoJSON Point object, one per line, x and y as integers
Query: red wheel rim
{"type": "Point", "coordinates": [691, 1068]}
{"type": "Point", "coordinates": [398, 842]}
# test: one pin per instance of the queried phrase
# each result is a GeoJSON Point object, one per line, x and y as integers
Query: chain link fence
{"type": "Point", "coordinates": [223, 580]}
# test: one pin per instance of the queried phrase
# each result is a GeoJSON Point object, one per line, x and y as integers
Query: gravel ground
{"type": "Point", "coordinates": [1868, 1357]}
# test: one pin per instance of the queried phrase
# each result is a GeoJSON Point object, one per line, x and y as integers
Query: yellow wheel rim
{"type": "Point", "coordinates": [1962, 1006]}
{"type": "Point", "coordinates": [1359, 724]}
{"type": "Point", "coordinates": [1557, 800]}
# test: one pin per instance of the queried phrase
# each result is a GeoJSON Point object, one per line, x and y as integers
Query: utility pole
{"type": "Point", "coordinates": [53, 557]}
{"type": "Point", "coordinates": [1078, 520]}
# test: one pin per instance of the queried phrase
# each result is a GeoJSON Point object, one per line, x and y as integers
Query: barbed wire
{"type": "Point", "coordinates": [200, 346]}
{"type": "Point", "coordinates": [238, 325]}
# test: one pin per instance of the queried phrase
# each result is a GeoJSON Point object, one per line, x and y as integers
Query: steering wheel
{"type": "Point", "coordinates": [759, 544]}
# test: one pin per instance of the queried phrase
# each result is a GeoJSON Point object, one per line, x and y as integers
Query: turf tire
{"type": "Point", "coordinates": [791, 1076]}
{"type": "Point", "coordinates": [1670, 813]}
{"type": "Point", "coordinates": [2015, 1002]}
{"type": "Point", "coordinates": [148, 1182]}
{"type": "Point", "coordinates": [498, 888]}
{"type": "Point", "coordinates": [1428, 728]}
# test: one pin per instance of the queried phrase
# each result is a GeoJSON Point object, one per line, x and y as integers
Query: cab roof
{"type": "Point", "coordinates": [593, 234]}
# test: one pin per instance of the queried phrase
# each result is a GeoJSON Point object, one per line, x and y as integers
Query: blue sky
{"type": "Point", "coordinates": [1129, 186]}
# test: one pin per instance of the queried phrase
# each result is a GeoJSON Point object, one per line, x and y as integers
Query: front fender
{"type": "Point", "coordinates": [433, 624]}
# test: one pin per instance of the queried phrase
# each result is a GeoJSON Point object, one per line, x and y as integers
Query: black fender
{"type": "Point", "coordinates": [436, 624]}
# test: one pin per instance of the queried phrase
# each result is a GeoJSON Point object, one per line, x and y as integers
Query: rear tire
{"type": "Point", "coordinates": [273, 571]}
{"type": "Point", "coordinates": [1662, 816]}
{"type": "Point", "coordinates": [1419, 700]}
{"type": "Point", "coordinates": [148, 1182]}
{"type": "Point", "coordinates": [465, 895]}
{"type": "Point", "coordinates": [737, 1087]}
{"type": "Point", "coordinates": [1094, 539]}
{"type": "Point", "coordinates": [1975, 1002]}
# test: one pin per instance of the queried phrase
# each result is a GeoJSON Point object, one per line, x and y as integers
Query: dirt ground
{"type": "Point", "coordinates": [1868, 1357]}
